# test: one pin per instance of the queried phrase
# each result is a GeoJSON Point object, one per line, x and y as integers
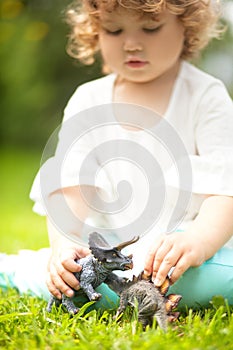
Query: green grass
{"type": "Point", "coordinates": [19, 226]}
{"type": "Point", "coordinates": [24, 324]}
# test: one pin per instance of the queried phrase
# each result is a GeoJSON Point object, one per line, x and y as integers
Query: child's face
{"type": "Point", "coordinates": [140, 49]}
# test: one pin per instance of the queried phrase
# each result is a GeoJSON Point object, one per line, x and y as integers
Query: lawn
{"type": "Point", "coordinates": [24, 324]}
{"type": "Point", "coordinates": [19, 226]}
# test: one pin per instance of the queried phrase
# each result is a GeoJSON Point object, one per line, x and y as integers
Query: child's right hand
{"type": "Point", "coordinates": [61, 268]}
{"type": "Point", "coordinates": [177, 251]}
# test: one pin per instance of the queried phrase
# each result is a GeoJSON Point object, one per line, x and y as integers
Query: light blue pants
{"type": "Point", "coordinates": [26, 271]}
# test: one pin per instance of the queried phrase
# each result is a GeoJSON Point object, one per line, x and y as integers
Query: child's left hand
{"type": "Point", "coordinates": [179, 250]}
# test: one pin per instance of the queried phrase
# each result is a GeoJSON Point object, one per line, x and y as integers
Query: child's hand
{"type": "Point", "coordinates": [61, 266]}
{"type": "Point", "coordinates": [179, 250]}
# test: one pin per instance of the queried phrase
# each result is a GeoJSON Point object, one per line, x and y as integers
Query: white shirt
{"type": "Point", "coordinates": [199, 115]}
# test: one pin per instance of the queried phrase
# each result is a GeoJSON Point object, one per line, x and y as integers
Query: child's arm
{"type": "Point", "coordinates": [211, 229]}
{"type": "Point", "coordinates": [61, 265]}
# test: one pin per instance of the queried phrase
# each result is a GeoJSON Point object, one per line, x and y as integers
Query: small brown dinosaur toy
{"type": "Point", "coordinates": [150, 300]}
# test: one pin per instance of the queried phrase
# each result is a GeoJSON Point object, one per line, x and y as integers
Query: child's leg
{"type": "Point", "coordinates": [109, 299]}
{"type": "Point", "coordinates": [7, 270]}
{"type": "Point", "coordinates": [199, 284]}
{"type": "Point", "coordinates": [25, 271]}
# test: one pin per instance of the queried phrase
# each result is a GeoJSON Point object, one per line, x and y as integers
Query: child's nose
{"type": "Point", "coordinates": [132, 44]}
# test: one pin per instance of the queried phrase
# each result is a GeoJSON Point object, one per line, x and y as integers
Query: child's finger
{"type": "Point", "coordinates": [149, 261]}
{"type": "Point", "coordinates": [169, 260]}
{"type": "Point", "coordinates": [52, 288]}
{"type": "Point", "coordinates": [71, 265]}
{"type": "Point", "coordinates": [82, 252]}
{"type": "Point", "coordinates": [56, 285]}
{"type": "Point", "coordinates": [60, 283]}
{"type": "Point", "coordinates": [159, 256]}
{"type": "Point", "coordinates": [181, 266]}
{"type": "Point", "coordinates": [67, 277]}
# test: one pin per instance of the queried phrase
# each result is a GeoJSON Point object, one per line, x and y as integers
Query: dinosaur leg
{"type": "Point", "coordinates": [52, 300]}
{"type": "Point", "coordinates": [69, 305]}
{"type": "Point", "coordinates": [161, 318]}
{"type": "Point", "coordinates": [146, 311]}
{"type": "Point", "coordinates": [90, 291]}
{"type": "Point", "coordinates": [122, 306]}
{"type": "Point", "coordinates": [144, 321]}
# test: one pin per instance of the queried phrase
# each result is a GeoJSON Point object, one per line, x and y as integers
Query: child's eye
{"type": "Point", "coordinates": [152, 30]}
{"type": "Point", "coordinates": [113, 32]}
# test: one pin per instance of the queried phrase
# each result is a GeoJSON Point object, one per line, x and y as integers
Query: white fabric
{"type": "Point", "coordinates": [201, 112]}
{"type": "Point", "coordinates": [26, 271]}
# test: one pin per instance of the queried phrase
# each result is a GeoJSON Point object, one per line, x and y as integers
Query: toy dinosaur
{"type": "Point", "coordinates": [96, 269]}
{"type": "Point", "coordinates": [150, 301]}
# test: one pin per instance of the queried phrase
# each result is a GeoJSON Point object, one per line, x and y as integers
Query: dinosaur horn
{"type": "Point", "coordinates": [172, 301]}
{"type": "Point", "coordinates": [125, 244]}
{"type": "Point", "coordinates": [134, 279]}
{"type": "Point", "coordinates": [165, 286]}
{"type": "Point", "coordinates": [143, 276]}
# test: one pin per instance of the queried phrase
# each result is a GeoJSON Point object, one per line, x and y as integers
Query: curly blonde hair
{"type": "Point", "coordinates": [200, 19]}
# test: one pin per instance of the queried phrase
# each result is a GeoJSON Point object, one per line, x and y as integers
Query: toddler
{"type": "Point", "coordinates": [145, 47]}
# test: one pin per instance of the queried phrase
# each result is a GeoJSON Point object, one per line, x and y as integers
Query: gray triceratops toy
{"type": "Point", "coordinates": [96, 269]}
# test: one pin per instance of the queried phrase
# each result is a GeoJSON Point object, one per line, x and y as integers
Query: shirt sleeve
{"type": "Point", "coordinates": [212, 165]}
{"type": "Point", "coordinates": [74, 162]}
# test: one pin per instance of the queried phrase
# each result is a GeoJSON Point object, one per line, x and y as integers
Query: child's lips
{"type": "Point", "coordinates": [136, 63]}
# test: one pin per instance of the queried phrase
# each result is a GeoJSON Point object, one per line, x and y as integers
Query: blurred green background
{"type": "Point", "coordinates": [37, 78]}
